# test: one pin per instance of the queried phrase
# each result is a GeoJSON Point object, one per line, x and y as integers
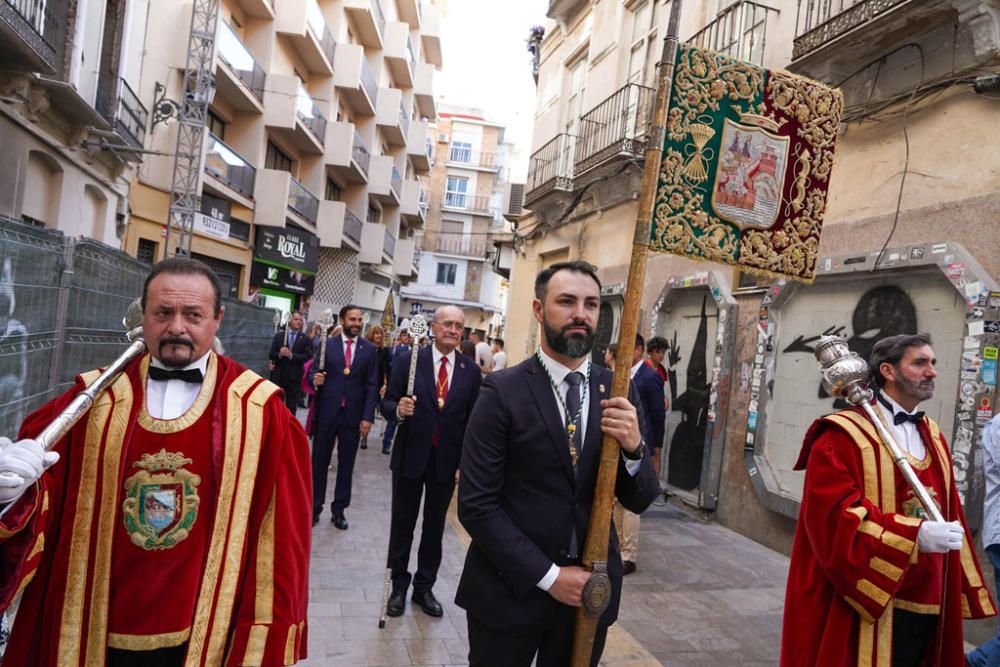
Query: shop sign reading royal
{"type": "Point", "coordinates": [285, 259]}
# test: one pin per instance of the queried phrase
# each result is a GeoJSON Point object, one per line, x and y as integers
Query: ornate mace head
{"type": "Point", "coordinates": [133, 320]}
{"type": "Point", "coordinates": [844, 372]}
{"type": "Point", "coordinates": [418, 328]}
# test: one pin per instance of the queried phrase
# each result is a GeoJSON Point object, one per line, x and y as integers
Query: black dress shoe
{"type": "Point", "coordinates": [339, 520]}
{"type": "Point", "coordinates": [428, 603]}
{"type": "Point", "coordinates": [397, 603]}
{"type": "Point", "coordinates": [628, 567]}
{"type": "Point", "coordinates": [386, 450]}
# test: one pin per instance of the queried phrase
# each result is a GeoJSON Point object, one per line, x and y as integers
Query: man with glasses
{"type": "Point", "coordinates": [426, 454]}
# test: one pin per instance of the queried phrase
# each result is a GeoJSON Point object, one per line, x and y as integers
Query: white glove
{"type": "Point", "coordinates": [936, 537]}
{"type": "Point", "coordinates": [21, 464]}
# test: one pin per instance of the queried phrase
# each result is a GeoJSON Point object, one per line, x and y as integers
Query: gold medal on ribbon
{"type": "Point", "coordinates": [440, 403]}
{"type": "Point", "coordinates": [347, 371]}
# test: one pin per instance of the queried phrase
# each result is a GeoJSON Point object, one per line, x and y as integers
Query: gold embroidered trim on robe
{"type": "Point", "coordinates": [148, 642]}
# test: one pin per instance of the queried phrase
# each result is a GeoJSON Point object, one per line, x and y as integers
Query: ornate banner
{"type": "Point", "coordinates": [746, 165]}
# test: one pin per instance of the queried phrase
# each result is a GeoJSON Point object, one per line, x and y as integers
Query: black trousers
{"type": "Point", "coordinates": [346, 436]}
{"type": "Point", "coordinates": [552, 640]}
{"type": "Point", "coordinates": [405, 508]}
{"type": "Point", "coordinates": [293, 394]}
{"type": "Point", "coordinates": [161, 657]}
{"type": "Point", "coordinates": [912, 633]}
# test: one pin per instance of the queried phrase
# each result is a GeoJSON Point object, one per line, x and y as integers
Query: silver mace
{"type": "Point", "coordinates": [847, 374]}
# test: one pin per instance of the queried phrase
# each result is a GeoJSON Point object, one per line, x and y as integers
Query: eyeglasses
{"type": "Point", "coordinates": [456, 326]}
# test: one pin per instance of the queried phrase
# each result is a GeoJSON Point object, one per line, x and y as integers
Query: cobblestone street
{"type": "Point", "coordinates": [702, 595]}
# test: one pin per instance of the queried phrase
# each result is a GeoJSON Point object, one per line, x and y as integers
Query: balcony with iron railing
{"type": "Point", "coordinates": [352, 226]}
{"type": "Point", "coordinates": [31, 33]}
{"type": "Point", "coordinates": [551, 168]}
{"type": "Point", "coordinates": [245, 90]}
{"type": "Point", "coordinates": [120, 106]}
{"type": "Point", "coordinates": [306, 29]}
{"type": "Point", "coordinates": [617, 127]}
{"type": "Point", "coordinates": [302, 202]}
{"type": "Point", "coordinates": [456, 243]}
{"type": "Point", "coordinates": [360, 152]}
{"type": "Point", "coordinates": [346, 154]}
{"type": "Point", "coordinates": [467, 203]}
{"type": "Point", "coordinates": [739, 31]}
{"type": "Point", "coordinates": [310, 115]}
{"type": "Point", "coordinates": [466, 158]}
{"type": "Point", "coordinates": [834, 38]}
{"type": "Point", "coordinates": [355, 80]}
{"type": "Point", "coordinates": [229, 167]}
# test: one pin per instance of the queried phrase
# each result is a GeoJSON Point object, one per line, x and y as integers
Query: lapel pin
{"type": "Point", "coordinates": [461, 364]}
{"type": "Point", "coordinates": [601, 388]}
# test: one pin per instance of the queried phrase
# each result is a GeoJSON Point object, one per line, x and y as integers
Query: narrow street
{"type": "Point", "coordinates": [702, 594]}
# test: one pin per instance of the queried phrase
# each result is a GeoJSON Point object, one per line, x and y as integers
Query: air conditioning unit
{"type": "Point", "coordinates": [513, 201]}
{"type": "Point", "coordinates": [442, 137]}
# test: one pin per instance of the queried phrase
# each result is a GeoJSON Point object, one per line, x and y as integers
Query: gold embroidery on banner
{"type": "Point", "coordinates": [291, 648]}
{"type": "Point", "coordinates": [71, 622]}
{"type": "Point", "coordinates": [885, 568]}
{"type": "Point", "coordinates": [874, 592]}
{"type": "Point", "coordinates": [104, 537]}
{"type": "Point", "coordinates": [148, 642]}
{"type": "Point", "coordinates": [223, 509]}
{"type": "Point", "coordinates": [868, 468]}
{"type": "Point", "coordinates": [916, 607]}
{"type": "Point", "coordinates": [862, 612]}
{"type": "Point", "coordinates": [897, 542]}
{"type": "Point", "coordinates": [256, 643]}
{"type": "Point", "coordinates": [193, 414]}
{"type": "Point", "coordinates": [232, 561]}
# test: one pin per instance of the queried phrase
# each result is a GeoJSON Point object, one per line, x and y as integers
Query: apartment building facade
{"type": "Point", "coordinates": [470, 169]}
{"type": "Point", "coordinates": [909, 242]}
{"type": "Point", "coordinates": [69, 117]}
{"type": "Point", "coordinates": [315, 144]}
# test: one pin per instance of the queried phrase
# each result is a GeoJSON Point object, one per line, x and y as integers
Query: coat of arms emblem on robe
{"type": "Point", "coordinates": [161, 501]}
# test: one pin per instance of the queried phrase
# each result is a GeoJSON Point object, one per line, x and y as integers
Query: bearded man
{"type": "Point", "coordinates": [170, 526]}
{"type": "Point", "coordinates": [528, 474]}
{"type": "Point", "coordinates": [872, 581]}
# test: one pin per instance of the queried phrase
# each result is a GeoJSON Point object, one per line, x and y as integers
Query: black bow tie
{"type": "Point", "coordinates": [190, 375]}
{"type": "Point", "coordinates": [900, 417]}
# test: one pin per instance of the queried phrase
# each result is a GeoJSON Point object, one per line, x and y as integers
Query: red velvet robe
{"type": "Point", "coordinates": [62, 544]}
{"type": "Point", "coordinates": [855, 556]}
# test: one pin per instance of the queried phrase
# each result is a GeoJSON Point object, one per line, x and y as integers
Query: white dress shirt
{"type": "Point", "coordinates": [437, 356]}
{"type": "Point", "coordinates": [558, 373]}
{"type": "Point", "coordinates": [169, 399]}
{"type": "Point", "coordinates": [906, 434]}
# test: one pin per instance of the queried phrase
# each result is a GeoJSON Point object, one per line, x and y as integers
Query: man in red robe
{"type": "Point", "coordinates": [871, 581]}
{"type": "Point", "coordinates": [150, 535]}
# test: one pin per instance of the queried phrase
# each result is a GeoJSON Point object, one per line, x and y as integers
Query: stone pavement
{"type": "Point", "coordinates": [702, 595]}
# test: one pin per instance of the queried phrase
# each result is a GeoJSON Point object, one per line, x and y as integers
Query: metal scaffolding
{"type": "Point", "coordinates": [196, 95]}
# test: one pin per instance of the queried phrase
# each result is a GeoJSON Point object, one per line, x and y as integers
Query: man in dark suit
{"type": "Point", "coordinates": [346, 396]}
{"type": "Point", "coordinates": [427, 452]}
{"type": "Point", "coordinates": [396, 352]}
{"type": "Point", "coordinates": [288, 355]}
{"type": "Point", "coordinates": [528, 473]}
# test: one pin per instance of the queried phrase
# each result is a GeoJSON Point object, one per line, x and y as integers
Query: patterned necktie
{"type": "Point", "coordinates": [574, 380]}
{"type": "Point", "coordinates": [347, 353]}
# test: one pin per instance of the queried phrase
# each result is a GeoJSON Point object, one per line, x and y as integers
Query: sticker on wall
{"type": "Point", "coordinates": [991, 326]}
{"type": "Point", "coordinates": [917, 253]}
{"type": "Point", "coordinates": [976, 328]}
{"type": "Point", "coordinates": [984, 412]}
{"type": "Point", "coordinates": [939, 248]}
{"type": "Point", "coordinates": [988, 372]}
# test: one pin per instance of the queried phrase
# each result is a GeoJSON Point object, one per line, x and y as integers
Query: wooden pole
{"type": "Point", "coordinates": [595, 553]}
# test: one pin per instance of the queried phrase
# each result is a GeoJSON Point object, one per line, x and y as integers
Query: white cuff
{"type": "Point", "coordinates": [632, 467]}
{"type": "Point", "coordinates": [545, 583]}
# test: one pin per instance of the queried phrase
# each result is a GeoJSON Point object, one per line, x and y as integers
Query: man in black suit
{"type": "Point", "coordinates": [427, 452]}
{"type": "Point", "coordinates": [288, 356]}
{"type": "Point", "coordinates": [528, 473]}
{"type": "Point", "coordinates": [346, 396]}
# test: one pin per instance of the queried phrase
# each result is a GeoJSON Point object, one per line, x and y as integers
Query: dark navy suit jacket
{"type": "Point", "coordinates": [519, 498]}
{"type": "Point", "coordinates": [360, 388]}
{"type": "Point", "coordinates": [414, 441]}
{"type": "Point", "coordinates": [289, 371]}
{"type": "Point", "coordinates": [649, 384]}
